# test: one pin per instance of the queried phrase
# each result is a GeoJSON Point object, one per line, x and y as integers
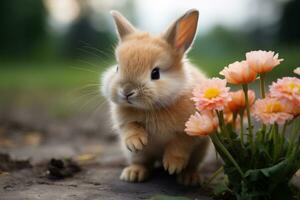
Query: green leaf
{"type": "Point", "coordinates": [166, 197]}
{"type": "Point", "coordinates": [270, 172]}
{"type": "Point", "coordinates": [275, 170]}
{"type": "Point", "coordinates": [220, 188]}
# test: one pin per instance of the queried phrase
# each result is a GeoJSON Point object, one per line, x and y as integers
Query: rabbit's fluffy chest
{"type": "Point", "coordinates": [161, 127]}
{"type": "Point", "coordinates": [162, 123]}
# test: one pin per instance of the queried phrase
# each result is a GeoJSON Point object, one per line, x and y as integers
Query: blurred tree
{"type": "Point", "coordinates": [289, 32]}
{"type": "Point", "coordinates": [221, 41]}
{"type": "Point", "coordinates": [83, 40]}
{"type": "Point", "coordinates": [22, 26]}
{"type": "Point", "coordinates": [91, 33]}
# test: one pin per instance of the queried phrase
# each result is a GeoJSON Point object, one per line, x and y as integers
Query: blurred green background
{"type": "Point", "coordinates": [53, 51]}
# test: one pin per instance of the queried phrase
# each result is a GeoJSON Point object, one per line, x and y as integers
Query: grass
{"type": "Point", "coordinates": [67, 87]}
{"type": "Point", "coordinates": [61, 88]}
{"type": "Point", "coordinates": [40, 76]}
{"type": "Point", "coordinates": [60, 77]}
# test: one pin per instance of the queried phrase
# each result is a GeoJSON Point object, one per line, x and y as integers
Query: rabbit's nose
{"type": "Point", "coordinates": [127, 91]}
{"type": "Point", "coordinates": [129, 94]}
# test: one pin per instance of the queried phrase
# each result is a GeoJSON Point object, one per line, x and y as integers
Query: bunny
{"type": "Point", "coordinates": [149, 93]}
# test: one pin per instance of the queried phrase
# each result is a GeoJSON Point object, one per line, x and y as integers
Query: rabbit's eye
{"type": "Point", "coordinates": [155, 74]}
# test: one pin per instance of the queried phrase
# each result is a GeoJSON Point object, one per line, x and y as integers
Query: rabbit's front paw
{"type": "Point", "coordinates": [134, 173]}
{"type": "Point", "coordinates": [174, 163]}
{"type": "Point", "coordinates": [136, 142]}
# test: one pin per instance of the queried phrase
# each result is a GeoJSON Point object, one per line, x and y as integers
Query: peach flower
{"type": "Point", "coordinates": [287, 88]}
{"type": "Point", "coordinates": [262, 61]}
{"type": "Point", "coordinates": [297, 71]}
{"type": "Point", "coordinates": [296, 110]}
{"type": "Point", "coordinates": [228, 115]}
{"type": "Point", "coordinates": [211, 94]}
{"type": "Point", "coordinates": [239, 73]}
{"type": "Point", "coordinates": [271, 110]}
{"type": "Point", "coordinates": [201, 124]}
{"type": "Point", "coordinates": [229, 118]}
{"type": "Point", "coordinates": [238, 100]}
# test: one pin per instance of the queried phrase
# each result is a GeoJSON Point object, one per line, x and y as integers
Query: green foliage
{"type": "Point", "coordinates": [266, 183]}
{"type": "Point", "coordinates": [83, 40]}
{"type": "Point", "coordinates": [165, 197]}
{"type": "Point", "coordinates": [267, 171]}
{"type": "Point", "coordinates": [22, 26]}
{"type": "Point", "coordinates": [288, 32]}
{"type": "Point", "coordinates": [49, 76]}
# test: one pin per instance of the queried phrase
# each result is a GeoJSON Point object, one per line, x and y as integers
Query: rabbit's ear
{"type": "Point", "coordinates": [181, 33]}
{"type": "Point", "coordinates": [123, 26]}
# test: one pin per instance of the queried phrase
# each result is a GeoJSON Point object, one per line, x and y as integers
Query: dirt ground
{"type": "Point", "coordinates": [31, 138]}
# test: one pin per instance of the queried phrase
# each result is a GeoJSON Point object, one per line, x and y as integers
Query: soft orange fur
{"type": "Point", "coordinates": [151, 126]}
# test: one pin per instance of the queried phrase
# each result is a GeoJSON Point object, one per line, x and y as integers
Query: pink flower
{"type": "Point", "coordinates": [211, 94]}
{"type": "Point", "coordinates": [297, 71]}
{"type": "Point", "coordinates": [238, 101]}
{"type": "Point", "coordinates": [271, 110]}
{"type": "Point", "coordinates": [262, 61]}
{"type": "Point", "coordinates": [201, 124]}
{"type": "Point", "coordinates": [239, 73]}
{"type": "Point", "coordinates": [296, 110]}
{"type": "Point", "coordinates": [287, 88]}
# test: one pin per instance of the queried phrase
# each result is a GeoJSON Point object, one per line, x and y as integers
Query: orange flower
{"type": "Point", "coordinates": [262, 61]}
{"type": "Point", "coordinates": [297, 71]}
{"type": "Point", "coordinates": [228, 115]}
{"type": "Point", "coordinates": [201, 124]}
{"type": "Point", "coordinates": [271, 110]}
{"type": "Point", "coordinates": [296, 110]}
{"type": "Point", "coordinates": [229, 118]}
{"type": "Point", "coordinates": [238, 100]}
{"type": "Point", "coordinates": [239, 73]}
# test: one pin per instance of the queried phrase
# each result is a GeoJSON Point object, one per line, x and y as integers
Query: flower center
{"type": "Point", "coordinates": [274, 107]}
{"type": "Point", "coordinates": [294, 86]}
{"type": "Point", "coordinates": [211, 93]}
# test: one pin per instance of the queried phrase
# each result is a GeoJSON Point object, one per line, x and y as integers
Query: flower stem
{"type": "Point", "coordinates": [262, 92]}
{"type": "Point", "coordinates": [235, 114]}
{"type": "Point", "coordinates": [262, 85]}
{"type": "Point", "coordinates": [213, 176]}
{"type": "Point", "coordinates": [276, 142]}
{"type": "Point", "coordinates": [242, 127]}
{"type": "Point", "coordinates": [217, 142]}
{"type": "Point", "coordinates": [223, 127]}
{"type": "Point", "coordinates": [283, 133]}
{"type": "Point", "coordinates": [250, 137]}
{"type": "Point", "coordinates": [292, 138]}
{"type": "Point", "coordinates": [271, 132]}
{"type": "Point", "coordinates": [284, 128]}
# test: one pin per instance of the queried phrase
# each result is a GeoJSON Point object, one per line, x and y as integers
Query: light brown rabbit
{"type": "Point", "coordinates": [149, 92]}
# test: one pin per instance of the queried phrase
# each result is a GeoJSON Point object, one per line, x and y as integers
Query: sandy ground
{"type": "Point", "coordinates": [31, 135]}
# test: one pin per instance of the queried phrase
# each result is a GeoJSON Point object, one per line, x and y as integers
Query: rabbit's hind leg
{"type": "Point", "coordinates": [190, 176]}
